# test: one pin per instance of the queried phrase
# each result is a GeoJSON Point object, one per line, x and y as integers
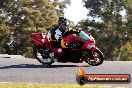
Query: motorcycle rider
{"type": "Point", "coordinates": [53, 38]}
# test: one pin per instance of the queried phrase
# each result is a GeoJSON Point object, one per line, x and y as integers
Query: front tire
{"type": "Point", "coordinates": [95, 58]}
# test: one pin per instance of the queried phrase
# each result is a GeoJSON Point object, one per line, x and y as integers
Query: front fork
{"type": "Point", "coordinates": [91, 49]}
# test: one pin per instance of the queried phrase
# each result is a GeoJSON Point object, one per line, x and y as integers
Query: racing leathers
{"type": "Point", "coordinates": [53, 40]}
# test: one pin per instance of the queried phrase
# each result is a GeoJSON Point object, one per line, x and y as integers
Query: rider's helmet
{"type": "Point", "coordinates": [62, 23]}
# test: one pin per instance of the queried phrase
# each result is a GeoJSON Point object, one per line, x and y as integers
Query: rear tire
{"type": "Point", "coordinates": [97, 56]}
{"type": "Point", "coordinates": [39, 55]}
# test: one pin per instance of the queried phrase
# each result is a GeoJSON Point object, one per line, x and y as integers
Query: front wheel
{"type": "Point", "coordinates": [95, 58]}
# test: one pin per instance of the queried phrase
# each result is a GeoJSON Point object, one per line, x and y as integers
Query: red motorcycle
{"type": "Point", "coordinates": [77, 48]}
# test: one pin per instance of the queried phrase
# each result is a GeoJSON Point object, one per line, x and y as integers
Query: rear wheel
{"type": "Point", "coordinates": [95, 58]}
{"type": "Point", "coordinates": [42, 55]}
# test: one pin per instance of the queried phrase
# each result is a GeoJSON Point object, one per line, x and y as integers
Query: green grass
{"type": "Point", "coordinates": [37, 85]}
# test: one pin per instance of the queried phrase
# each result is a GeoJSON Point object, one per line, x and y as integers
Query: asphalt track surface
{"type": "Point", "coordinates": [30, 70]}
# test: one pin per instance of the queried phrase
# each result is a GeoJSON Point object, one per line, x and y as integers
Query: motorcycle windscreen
{"type": "Point", "coordinates": [83, 35]}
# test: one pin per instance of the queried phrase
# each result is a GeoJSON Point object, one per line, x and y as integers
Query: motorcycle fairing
{"type": "Point", "coordinates": [88, 40]}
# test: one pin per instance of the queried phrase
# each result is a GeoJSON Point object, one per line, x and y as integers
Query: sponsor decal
{"type": "Point", "coordinates": [83, 78]}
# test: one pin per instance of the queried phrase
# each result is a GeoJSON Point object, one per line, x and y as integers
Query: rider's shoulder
{"type": "Point", "coordinates": [54, 28]}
